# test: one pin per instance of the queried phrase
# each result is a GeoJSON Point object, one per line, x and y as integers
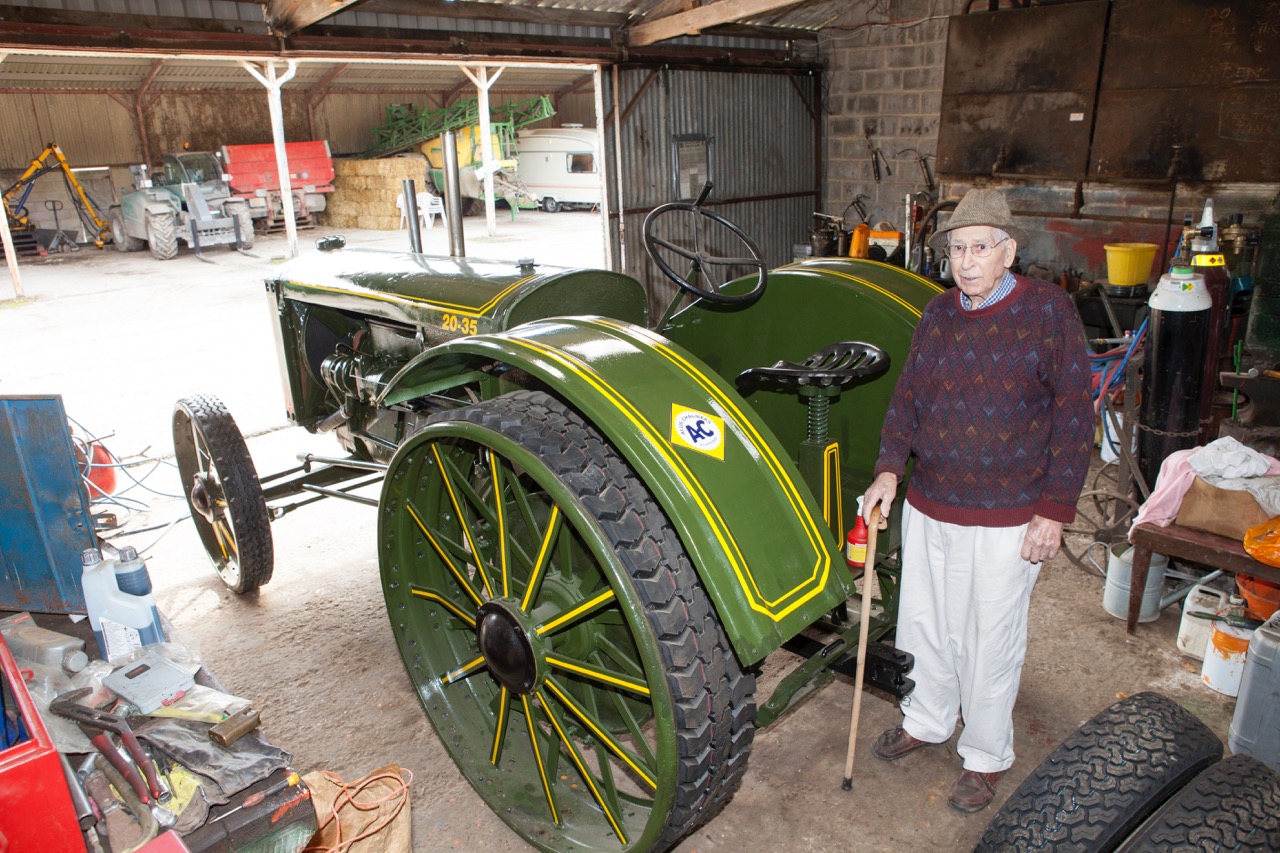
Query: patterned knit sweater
{"type": "Point", "coordinates": [994, 405]}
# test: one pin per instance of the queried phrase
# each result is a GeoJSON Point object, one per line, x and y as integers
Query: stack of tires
{"type": "Point", "coordinates": [1145, 775]}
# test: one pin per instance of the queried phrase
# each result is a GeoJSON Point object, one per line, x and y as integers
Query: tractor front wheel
{"type": "Point", "coordinates": [223, 492]}
{"type": "Point", "coordinates": [123, 242]}
{"type": "Point", "coordinates": [557, 633]}
{"type": "Point", "coordinates": [162, 236]}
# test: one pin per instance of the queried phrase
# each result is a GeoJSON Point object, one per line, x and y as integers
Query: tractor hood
{"type": "Point", "coordinates": [456, 296]}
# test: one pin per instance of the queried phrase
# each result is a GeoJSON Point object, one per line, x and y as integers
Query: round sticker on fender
{"type": "Point", "coordinates": [697, 431]}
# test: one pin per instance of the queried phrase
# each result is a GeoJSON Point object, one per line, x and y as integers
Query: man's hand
{"type": "Point", "coordinates": [1044, 537]}
{"type": "Point", "coordinates": [882, 491]}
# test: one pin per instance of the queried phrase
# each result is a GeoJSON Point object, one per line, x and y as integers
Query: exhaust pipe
{"type": "Point", "coordinates": [452, 193]}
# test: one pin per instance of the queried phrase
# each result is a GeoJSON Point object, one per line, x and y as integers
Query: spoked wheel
{"type": "Point", "coordinates": [223, 492]}
{"type": "Point", "coordinates": [556, 632]}
{"type": "Point", "coordinates": [1102, 517]}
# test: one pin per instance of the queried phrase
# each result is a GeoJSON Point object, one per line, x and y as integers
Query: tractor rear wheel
{"type": "Point", "coordinates": [123, 242]}
{"type": "Point", "coordinates": [162, 236]}
{"type": "Point", "coordinates": [223, 492]}
{"type": "Point", "coordinates": [556, 632]}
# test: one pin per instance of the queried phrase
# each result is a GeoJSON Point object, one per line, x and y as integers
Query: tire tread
{"type": "Point", "coordinates": [1104, 779]}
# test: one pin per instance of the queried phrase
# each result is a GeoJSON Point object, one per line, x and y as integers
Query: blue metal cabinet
{"type": "Point", "coordinates": [44, 511]}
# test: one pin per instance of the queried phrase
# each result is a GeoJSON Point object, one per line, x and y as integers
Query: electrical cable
{"type": "Point", "coordinates": [348, 792]}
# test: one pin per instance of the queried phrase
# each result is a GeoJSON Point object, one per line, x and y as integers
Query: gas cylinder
{"type": "Point", "coordinates": [1174, 379]}
{"type": "Point", "coordinates": [1207, 260]}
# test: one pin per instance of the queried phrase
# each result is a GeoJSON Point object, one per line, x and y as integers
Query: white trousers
{"type": "Point", "coordinates": [963, 615]}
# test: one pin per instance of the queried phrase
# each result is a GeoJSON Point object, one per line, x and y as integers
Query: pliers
{"type": "Point", "coordinates": [98, 726]}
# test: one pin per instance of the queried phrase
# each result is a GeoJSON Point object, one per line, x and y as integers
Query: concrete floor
{"type": "Point", "coordinates": [121, 337]}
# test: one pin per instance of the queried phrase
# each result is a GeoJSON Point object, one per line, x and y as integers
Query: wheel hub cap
{"type": "Point", "coordinates": [506, 647]}
{"type": "Point", "coordinates": [201, 500]}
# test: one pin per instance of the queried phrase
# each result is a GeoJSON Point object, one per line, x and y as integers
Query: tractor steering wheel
{"type": "Point", "coordinates": [700, 259]}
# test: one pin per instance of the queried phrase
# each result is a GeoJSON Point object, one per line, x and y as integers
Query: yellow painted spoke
{"type": "Point", "coordinates": [448, 561]}
{"type": "Point", "coordinates": [544, 558]}
{"type": "Point", "coordinates": [432, 595]}
{"type": "Point", "coordinates": [500, 732]}
{"type": "Point", "coordinates": [537, 757]}
{"type": "Point", "coordinates": [576, 613]}
{"type": "Point", "coordinates": [463, 671]}
{"type": "Point", "coordinates": [613, 679]}
{"type": "Point", "coordinates": [582, 768]}
{"type": "Point", "coordinates": [616, 748]}
{"type": "Point", "coordinates": [462, 518]}
{"type": "Point", "coordinates": [226, 542]}
{"type": "Point", "coordinates": [496, 470]}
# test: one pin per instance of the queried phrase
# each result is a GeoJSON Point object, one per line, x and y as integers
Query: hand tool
{"type": "Point", "coordinates": [1234, 621]}
{"type": "Point", "coordinates": [235, 727]}
{"type": "Point", "coordinates": [864, 628]}
{"type": "Point", "coordinates": [98, 725]}
{"type": "Point", "coordinates": [253, 799]}
{"type": "Point", "coordinates": [876, 157]}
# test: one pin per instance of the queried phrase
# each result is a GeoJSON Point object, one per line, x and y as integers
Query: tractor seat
{"type": "Point", "coordinates": [838, 365]}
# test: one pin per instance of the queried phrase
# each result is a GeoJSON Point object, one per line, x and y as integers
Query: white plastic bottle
{"type": "Point", "coordinates": [122, 621]}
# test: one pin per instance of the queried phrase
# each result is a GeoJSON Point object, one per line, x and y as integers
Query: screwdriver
{"type": "Point", "coordinates": [253, 799]}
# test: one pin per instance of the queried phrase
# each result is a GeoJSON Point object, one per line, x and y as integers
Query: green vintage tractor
{"type": "Point", "coordinates": [592, 529]}
{"type": "Point", "coordinates": [188, 200]}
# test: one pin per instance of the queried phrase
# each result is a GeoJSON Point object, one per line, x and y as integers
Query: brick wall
{"type": "Point", "coordinates": [884, 77]}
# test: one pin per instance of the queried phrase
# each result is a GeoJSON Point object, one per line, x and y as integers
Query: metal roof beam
{"type": "Point", "coordinates": [694, 21]}
{"type": "Point", "coordinates": [285, 17]}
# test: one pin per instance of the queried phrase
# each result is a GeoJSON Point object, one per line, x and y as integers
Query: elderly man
{"type": "Point", "coordinates": [993, 404]}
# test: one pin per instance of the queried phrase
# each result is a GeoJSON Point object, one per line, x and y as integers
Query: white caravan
{"type": "Point", "coordinates": [561, 166]}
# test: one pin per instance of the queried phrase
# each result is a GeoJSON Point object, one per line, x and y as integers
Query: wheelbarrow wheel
{"type": "Point", "coordinates": [556, 632]}
{"type": "Point", "coordinates": [223, 492]}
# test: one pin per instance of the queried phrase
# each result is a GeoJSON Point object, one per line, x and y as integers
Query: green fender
{"type": "Point", "coordinates": [750, 525]}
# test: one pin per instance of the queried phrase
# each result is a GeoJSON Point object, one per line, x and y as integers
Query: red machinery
{"type": "Point", "coordinates": [252, 175]}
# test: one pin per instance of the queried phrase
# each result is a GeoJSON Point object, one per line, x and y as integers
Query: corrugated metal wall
{"type": "Point", "coordinates": [763, 160]}
{"type": "Point", "coordinates": [91, 130]}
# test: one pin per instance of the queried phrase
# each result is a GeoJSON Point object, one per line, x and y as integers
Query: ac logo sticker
{"type": "Point", "coordinates": [697, 431]}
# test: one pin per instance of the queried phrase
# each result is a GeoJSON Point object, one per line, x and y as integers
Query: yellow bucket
{"type": "Point", "coordinates": [1129, 263]}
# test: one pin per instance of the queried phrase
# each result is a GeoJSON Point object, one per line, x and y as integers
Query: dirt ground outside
{"type": "Point", "coordinates": [122, 337]}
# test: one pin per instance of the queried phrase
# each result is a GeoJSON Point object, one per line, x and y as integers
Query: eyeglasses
{"type": "Point", "coordinates": [978, 250]}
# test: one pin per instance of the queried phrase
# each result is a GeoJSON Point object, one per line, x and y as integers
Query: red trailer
{"type": "Point", "coordinates": [251, 173]}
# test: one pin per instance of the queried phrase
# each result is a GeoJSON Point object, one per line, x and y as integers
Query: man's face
{"type": "Point", "coordinates": [977, 277]}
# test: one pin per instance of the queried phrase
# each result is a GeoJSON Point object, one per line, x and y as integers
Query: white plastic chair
{"type": "Point", "coordinates": [404, 216]}
{"type": "Point", "coordinates": [429, 207]}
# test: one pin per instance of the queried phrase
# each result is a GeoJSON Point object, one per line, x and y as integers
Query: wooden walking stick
{"type": "Point", "coordinates": [864, 626]}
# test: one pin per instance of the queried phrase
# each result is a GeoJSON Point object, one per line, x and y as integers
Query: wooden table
{"type": "Point", "coordinates": [1195, 546]}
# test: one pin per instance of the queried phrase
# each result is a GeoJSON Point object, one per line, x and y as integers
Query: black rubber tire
{"type": "Point", "coordinates": [123, 242]}
{"type": "Point", "coordinates": [161, 236]}
{"type": "Point", "coordinates": [241, 212]}
{"type": "Point", "coordinates": [1105, 779]}
{"type": "Point", "coordinates": [472, 206]}
{"type": "Point", "coordinates": [1234, 805]}
{"type": "Point", "coordinates": [208, 444]}
{"type": "Point", "coordinates": [713, 698]}
{"type": "Point", "coordinates": [550, 205]}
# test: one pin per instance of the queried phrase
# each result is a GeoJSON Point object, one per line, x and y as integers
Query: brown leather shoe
{"type": "Point", "coordinates": [973, 791]}
{"type": "Point", "coordinates": [895, 743]}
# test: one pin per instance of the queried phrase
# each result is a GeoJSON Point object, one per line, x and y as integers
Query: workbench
{"type": "Point", "coordinates": [1196, 546]}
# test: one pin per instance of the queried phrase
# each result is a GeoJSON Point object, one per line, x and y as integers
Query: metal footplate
{"type": "Point", "coordinates": [887, 667]}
